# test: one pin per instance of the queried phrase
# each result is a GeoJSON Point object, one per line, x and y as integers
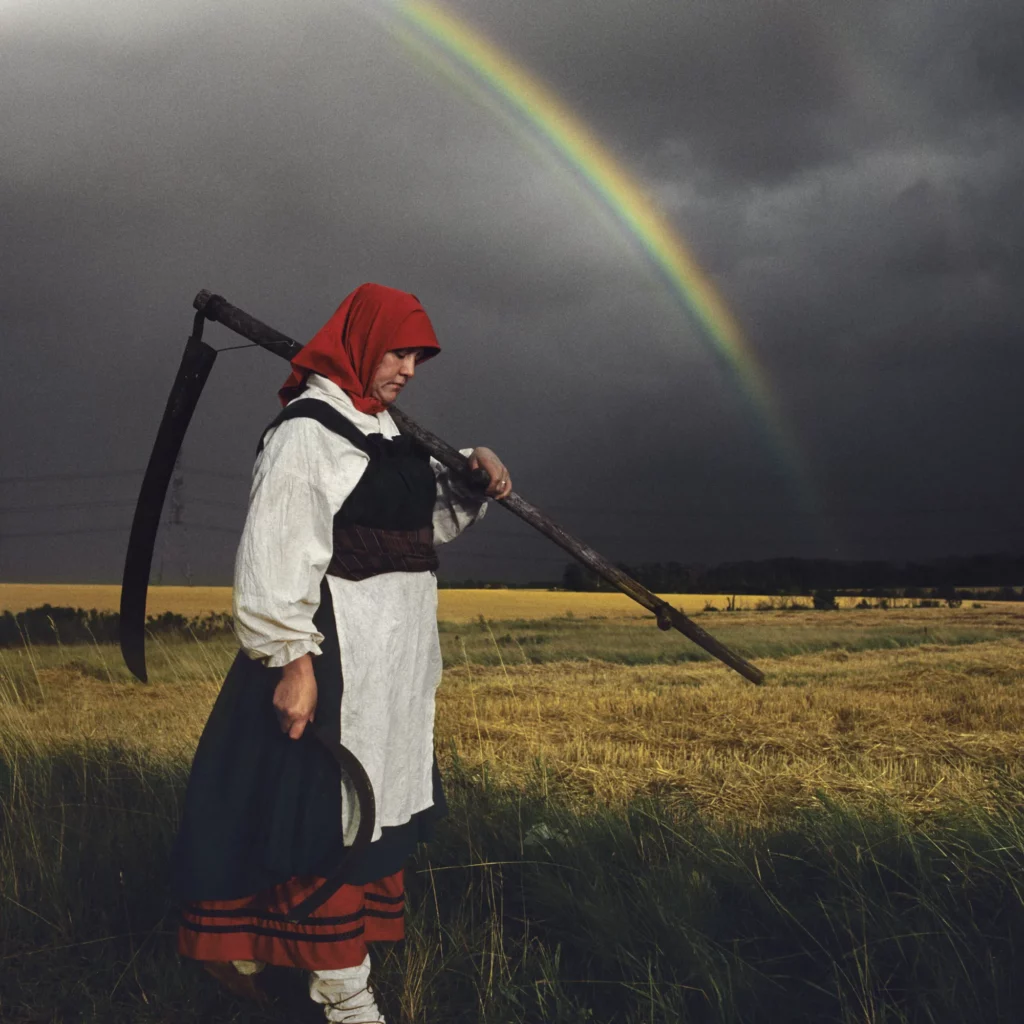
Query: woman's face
{"type": "Point", "coordinates": [397, 366]}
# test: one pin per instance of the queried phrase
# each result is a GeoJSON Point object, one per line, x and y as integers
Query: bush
{"type": "Point", "coordinates": [50, 625]}
{"type": "Point", "coordinates": [825, 600]}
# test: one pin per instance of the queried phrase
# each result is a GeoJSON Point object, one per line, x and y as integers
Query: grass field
{"type": "Point", "coordinates": [634, 836]}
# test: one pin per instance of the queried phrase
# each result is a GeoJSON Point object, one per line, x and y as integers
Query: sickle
{"type": "Point", "coordinates": [351, 766]}
{"type": "Point", "coordinates": [196, 364]}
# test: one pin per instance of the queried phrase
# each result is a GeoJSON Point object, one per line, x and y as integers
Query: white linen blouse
{"type": "Point", "coordinates": [387, 624]}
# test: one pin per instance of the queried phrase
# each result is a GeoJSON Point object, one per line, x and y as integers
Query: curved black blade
{"type": "Point", "coordinates": [195, 367]}
{"type": "Point", "coordinates": [352, 767]}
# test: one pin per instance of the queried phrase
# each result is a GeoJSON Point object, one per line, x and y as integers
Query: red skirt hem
{"type": "Point", "coordinates": [256, 927]}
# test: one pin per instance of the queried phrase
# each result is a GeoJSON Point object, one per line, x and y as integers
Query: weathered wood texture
{"type": "Point", "coordinates": [214, 307]}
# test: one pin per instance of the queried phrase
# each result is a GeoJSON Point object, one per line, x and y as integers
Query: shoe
{"type": "Point", "coordinates": [245, 986]}
{"type": "Point", "coordinates": [346, 995]}
{"type": "Point", "coordinates": [358, 1008]}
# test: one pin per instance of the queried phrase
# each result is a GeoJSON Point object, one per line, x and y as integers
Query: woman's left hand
{"type": "Point", "coordinates": [501, 483]}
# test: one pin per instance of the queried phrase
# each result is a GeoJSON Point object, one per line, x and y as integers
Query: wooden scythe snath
{"type": "Point", "coordinates": [214, 307]}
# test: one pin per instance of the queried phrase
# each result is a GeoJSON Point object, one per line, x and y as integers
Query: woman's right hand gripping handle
{"type": "Point", "coordinates": [295, 696]}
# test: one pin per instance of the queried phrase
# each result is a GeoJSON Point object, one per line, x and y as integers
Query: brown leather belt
{"type": "Point", "coordinates": [362, 551]}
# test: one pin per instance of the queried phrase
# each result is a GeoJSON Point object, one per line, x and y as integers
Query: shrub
{"type": "Point", "coordinates": [52, 625]}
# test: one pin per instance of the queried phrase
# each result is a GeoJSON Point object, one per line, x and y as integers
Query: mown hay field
{"type": "Point", "coordinates": [923, 707]}
{"type": "Point", "coordinates": [634, 835]}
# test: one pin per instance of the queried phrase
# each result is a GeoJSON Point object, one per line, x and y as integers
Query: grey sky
{"type": "Point", "coordinates": [848, 175]}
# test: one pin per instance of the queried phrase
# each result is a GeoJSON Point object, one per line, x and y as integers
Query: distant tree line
{"type": "Point", "coordinates": [50, 625]}
{"type": "Point", "coordinates": [939, 578]}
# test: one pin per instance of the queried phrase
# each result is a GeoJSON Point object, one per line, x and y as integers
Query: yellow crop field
{"type": "Point", "coordinates": [453, 605]}
{"type": "Point", "coordinates": [188, 601]}
{"type": "Point", "coordinates": [464, 605]}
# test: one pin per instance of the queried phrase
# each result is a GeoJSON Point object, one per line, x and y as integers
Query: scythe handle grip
{"type": "Point", "coordinates": [215, 307]}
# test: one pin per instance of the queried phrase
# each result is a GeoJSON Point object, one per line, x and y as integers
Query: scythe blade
{"type": "Point", "coordinates": [196, 364]}
{"type": "Point", "coordinates": [195, 367]}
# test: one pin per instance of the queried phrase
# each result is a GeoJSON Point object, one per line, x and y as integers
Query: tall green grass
{"type": "Point", "coordinates": [525, 911]}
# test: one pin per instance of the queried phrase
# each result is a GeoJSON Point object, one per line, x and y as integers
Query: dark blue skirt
{"type": "Point", "coordinates": [261, 808]}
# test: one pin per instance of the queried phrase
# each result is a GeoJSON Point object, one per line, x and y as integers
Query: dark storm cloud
{"type": "Point", "coordinates": [756, 91]}
{"type": "Point", "coordinates": [746, 85]}
{"type": "Point", "coordinates": [849, 176]}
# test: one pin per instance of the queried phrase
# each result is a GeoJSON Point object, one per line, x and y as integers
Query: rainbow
{"type": "Point", "coordinates": [493, 79]}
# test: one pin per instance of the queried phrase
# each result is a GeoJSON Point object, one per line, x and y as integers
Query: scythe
{"type": "Point", "coordinates": [196, 364]}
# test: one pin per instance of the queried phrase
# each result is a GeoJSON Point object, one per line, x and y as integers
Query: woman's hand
{"type": "Point", "coordinates": [295, 696]}
{"type": "Point", "coordinates": [501, 483]}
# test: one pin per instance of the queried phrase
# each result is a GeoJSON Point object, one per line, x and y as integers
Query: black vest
{"type": "Point", "coordinates": [386, 523]}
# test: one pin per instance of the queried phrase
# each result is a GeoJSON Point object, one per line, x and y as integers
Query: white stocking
{"type": "Point", "coordinates": [346, 994]}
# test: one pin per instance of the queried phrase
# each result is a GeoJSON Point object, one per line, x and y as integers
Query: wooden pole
{"type": "Point", "coordinates": [214, 307]}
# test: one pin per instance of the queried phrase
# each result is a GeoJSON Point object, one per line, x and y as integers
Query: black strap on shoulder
{"type": "Point", "coordinates": [326, 416]}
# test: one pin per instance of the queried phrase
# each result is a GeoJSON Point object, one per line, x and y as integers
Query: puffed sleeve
{"type": "Point", "coordinates": [456, 506]}
{"type": "Point", "coordinates": [301, 478]}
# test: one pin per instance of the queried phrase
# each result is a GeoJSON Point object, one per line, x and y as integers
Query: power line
{"type": "Point", "coordinates": [676, 516]}
{"type": "Point", "coordinates": [31, 478]}
{"type": "Point", "coordinates": [237, 505]}
{"type": "Point", "coordinates": [590, 509]}
{"type": "Point", "coordinates": [65, 505]}
{"type": "Point", "coordinates": [680, 517]}
{"type": "Point", "coordinates": [458, 551]}
{"type": "Point", "coordinates": [753, 513]}
{"type": "Point", "coordinates": [211, 527]}
{"type": "Point", "coordinates": [218, 474]}
{"type": "Point", "coordinates": [65, 533]}
{"type": "Point", "coordinates": [722, 513]}
{"type": "Point", "coordinates": [61, 505]}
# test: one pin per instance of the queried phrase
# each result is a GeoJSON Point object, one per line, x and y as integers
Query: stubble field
{"type": "Point", "coordinates": [636, 834]}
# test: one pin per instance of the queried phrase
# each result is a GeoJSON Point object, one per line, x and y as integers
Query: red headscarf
{"type": "Point", "coordinates": [371, 321]}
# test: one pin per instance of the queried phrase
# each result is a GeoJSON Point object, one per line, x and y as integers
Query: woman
{"type": "Point", "coordinates": [335, 602]}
